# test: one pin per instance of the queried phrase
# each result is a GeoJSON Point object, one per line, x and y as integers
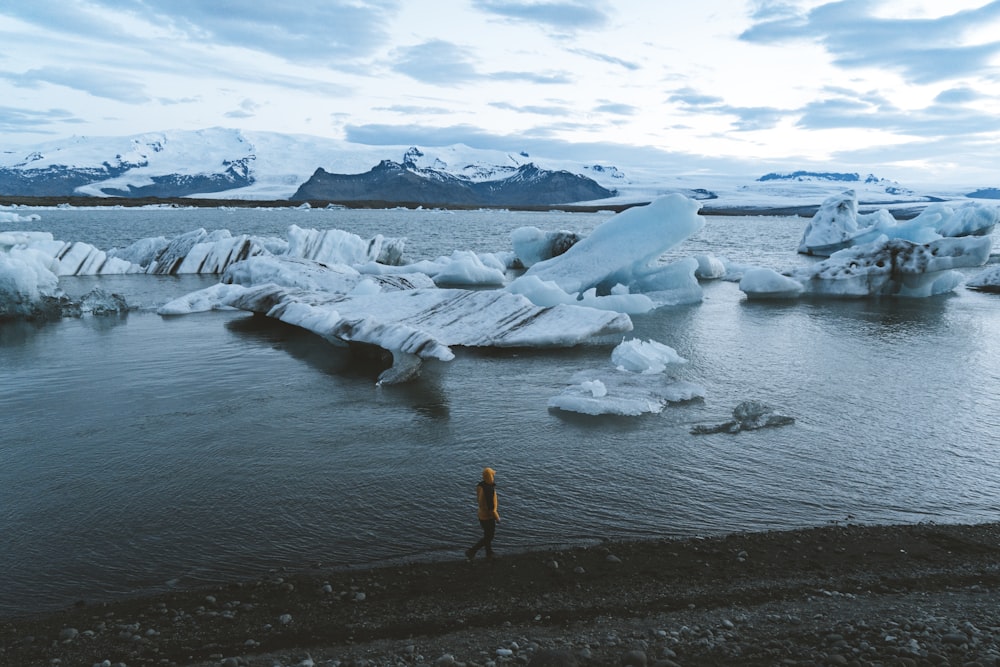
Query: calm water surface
{"type": "Point", "coordinates": [145, 452]}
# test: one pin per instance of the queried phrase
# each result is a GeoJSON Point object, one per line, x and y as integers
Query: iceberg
{"type": "Point", "coordinates": [710, 267]}
{"type": "Point", "coordinates": [837, 224]}
{"type": "Point", "coordinates": [623, 252]}
{"type": "Point", "coordinates": [66, 258]}
{"type": "Point", "coordinates": [197, 251]}
{"type": "Point", "coordinates": [425, 323]}
{"type": "Point", "coordinates": [335, 246]}
{"type": "Point", "coordinates": [644, 356]}
{"type": "Point", "coordinates": [885, 267]}
{"type": "Point", "coordinates": [26, 279]}
{"type": "Point", "coordinates": [350, 291]}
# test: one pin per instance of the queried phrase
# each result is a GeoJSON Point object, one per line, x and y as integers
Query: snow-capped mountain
{"type": "Point", "coordinates": [391, 181]}
{"type": "Point", "coordinates": [222, 163]}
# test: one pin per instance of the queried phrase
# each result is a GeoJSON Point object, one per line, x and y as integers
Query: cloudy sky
{"type": "Point", "coordinates": [909, 89]}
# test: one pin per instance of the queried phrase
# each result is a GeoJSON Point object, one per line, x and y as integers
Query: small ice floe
{"type": "Point", "coordinates": [635, 386]}
{"type": "Point", "coordinates": [986, 281]}
{"type": "Point", "coordinates": [710, 267]}
{"type": "Point", "coordinates": [747, 416]}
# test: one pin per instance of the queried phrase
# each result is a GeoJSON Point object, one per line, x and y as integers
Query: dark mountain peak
{"type": "Point", "coordinates": [411, 156]}
{"type": "Point", "coordinates": [810, 176]}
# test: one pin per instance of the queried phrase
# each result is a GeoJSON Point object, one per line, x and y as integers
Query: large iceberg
{"type": "Point", "coordinates": [424, 323]}
{"type": "Point", "coordinates": [582, 295]}
{"type": "Point", "coordinates": [884, 267]}
{"type": "Point", "coordinates": [838, 225]}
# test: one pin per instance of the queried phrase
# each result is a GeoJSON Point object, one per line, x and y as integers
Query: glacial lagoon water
{"type": "Point", "coordinates": [142, 453]}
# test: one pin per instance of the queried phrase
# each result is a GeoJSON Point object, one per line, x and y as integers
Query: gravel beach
{"type": "Point", "coordinates": [922, 594]}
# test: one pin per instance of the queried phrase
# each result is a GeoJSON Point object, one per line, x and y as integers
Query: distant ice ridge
{"type": "Point", "coordinates": [837, 224]}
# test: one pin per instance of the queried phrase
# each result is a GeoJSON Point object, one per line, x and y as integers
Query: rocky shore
{"type": "Point", "coordinates": [839, 595]}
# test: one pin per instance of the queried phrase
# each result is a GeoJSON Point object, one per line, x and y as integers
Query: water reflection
{"type": "Point", "coordinates": [356, 363]}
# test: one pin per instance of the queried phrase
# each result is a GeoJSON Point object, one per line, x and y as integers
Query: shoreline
{"type": "Point", "coordinates": [899, 210]}
{"type": "Point", "coordinates": [744, 598]}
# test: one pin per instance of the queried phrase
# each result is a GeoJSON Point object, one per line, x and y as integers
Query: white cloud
{"type": "Point", "coordinates": [857, 35]}
{"type": "Point", "coordinates": [566, 16]}
{"type": "Point", "coordinates": [744, 81]}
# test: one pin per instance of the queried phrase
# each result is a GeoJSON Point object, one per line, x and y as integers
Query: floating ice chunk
{"type": "Point", "coordinates": [709, 267]}
{"type": "Point", "coordinates": [426, 322]}
{"type": "Point", "coordinates": [672, 284]}
{"type": "Point", "coordinates": [624, 394]}
{"type": "Point", "coordinates": [67, 258]}
{"type": "Point", "coordinates": [142, 252]}
{"type": "Point", "coordinates": [309, 275]}
{"type": "Point", "coordinates": [339, 247]}
{"type": "Point", "coordinates": [625, 250]}
{"type": "Point", "coordinates": [25, 279]}
{"type": "Point", "coordinates": [886, 267]}
{"type": "Point", "coordinates": [986, 281]}
{"type": "Point", "coordinates": [210, 298]}
{"type": "Point", "coordinates": [637, 386]}
{"type": "Point", "coordinates": [644, 356]}
{"type": "Point", "coordinates": [969, 219]}
{"type": "Point", "coordinates": [832, 226]}
{"type": "Point", "coordinates": [837, 225]}
{"type": "Point", "coordinates": [533, 245]}
{"type": "Point", "coordinates": [100, 302]}
{"type": "Point", "coordinates": [760, 283]}
{"type": "Point", "coordinates": [8, 218]}
{"type": "Point", "coordinates": [462, 268]}
{"type": "Point", "coordinates": [197, 251]}
{"type": "Point", "coordinates": [14, 238]}
{"type": "Point", "coordinates": [465, 267]}
{"type": "Point", "coordinates": [547, 293]}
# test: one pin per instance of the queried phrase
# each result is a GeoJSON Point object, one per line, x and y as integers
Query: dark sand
{"type": "Point", "coordinates": [918, 594]}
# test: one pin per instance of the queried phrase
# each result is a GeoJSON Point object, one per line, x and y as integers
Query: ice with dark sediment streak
{"type": "Point", "coordinates": [885, 267]}
{"type": "Point", "coordinates": [987, 280]}
{"type": "Point", "coordinates": [369, 302]}
{"type": "Point", "coordinates": [425, 323]}
{"type": "Point", "coordinates": [838, 225]}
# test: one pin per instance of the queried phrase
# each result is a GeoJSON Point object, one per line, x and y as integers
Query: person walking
{"type": "Point", "coordinates": [486, 497]}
